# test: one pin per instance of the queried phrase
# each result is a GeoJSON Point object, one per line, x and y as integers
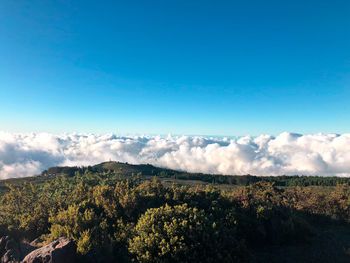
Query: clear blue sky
{"type": "Point", "coordinates": [181, 67]}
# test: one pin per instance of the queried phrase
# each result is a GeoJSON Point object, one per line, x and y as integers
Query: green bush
{"type": "Point", "coordinates": [182, 234]}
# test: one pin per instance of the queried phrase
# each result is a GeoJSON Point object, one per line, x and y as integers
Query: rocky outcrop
{"type": "Point", "coordinates": [13, 251]}
{"type": "Point", "coordinates": [63, 250]}
{"type": "Point", "coordinates": [9, 250]}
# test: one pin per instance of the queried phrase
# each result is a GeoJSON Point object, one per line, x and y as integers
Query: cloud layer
{"type": "Point", "coordinates": [316, 154]}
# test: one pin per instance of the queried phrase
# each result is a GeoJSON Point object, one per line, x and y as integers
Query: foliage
{"type": "Point", "coordinates": [131, 219]}
{"type": "Point", "coordinates": [182, 234]}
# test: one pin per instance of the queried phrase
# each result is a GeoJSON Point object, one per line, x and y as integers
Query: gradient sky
{"type": "Point", "coordinates": [180, 67]}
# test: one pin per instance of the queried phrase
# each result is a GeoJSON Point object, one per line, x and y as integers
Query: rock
{"type": "Point", "coordinates": [63, 250]}
{"type": "Point", "coordinates": [3, 242]}
{"type": "Point", "coordinates": [36, 242]}
{"type": "Point", "coordinates": [11, 256]}
{"type": "Point", "coordinates": [9, 250]}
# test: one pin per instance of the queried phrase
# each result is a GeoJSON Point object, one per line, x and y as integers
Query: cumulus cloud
{"type": "Point", "coordinates": [314, 154]}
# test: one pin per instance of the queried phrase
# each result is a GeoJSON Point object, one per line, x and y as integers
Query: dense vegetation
{"type": "Point", "coordinates": [149, 170]}
{"type": "Point", "coordinates": [120, 217]}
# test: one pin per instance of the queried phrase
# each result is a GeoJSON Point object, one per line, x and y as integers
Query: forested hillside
{"type": "Point", "coordinates": [132, 215]}
{"type": "Point", "coordinates": [145, 170]}
{"type": "Point", "coordinates": [168, 176]}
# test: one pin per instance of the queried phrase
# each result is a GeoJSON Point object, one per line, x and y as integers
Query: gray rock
{"type": "Point", "coordinates": [11, 256]}
{"type": "Point", "coordinates": [9, 250]}
{"type": "Point", "coordinates": [36, 242]}
{"type": "Point", "coordinates": [63, 250]}
{"type": "Point", "coordinates": [3, 242]}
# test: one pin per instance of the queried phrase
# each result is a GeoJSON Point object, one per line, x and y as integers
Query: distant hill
{"type": "Point", "coordinates": [146, 170]}
{"type": "Point", "coordinates": [123, 168]}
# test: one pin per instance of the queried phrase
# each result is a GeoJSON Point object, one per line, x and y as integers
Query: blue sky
{"type": "Point", "coordinates": [182, 67]}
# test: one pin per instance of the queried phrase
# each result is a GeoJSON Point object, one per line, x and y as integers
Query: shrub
{"type": "Point", "coordinates": [182, 234]}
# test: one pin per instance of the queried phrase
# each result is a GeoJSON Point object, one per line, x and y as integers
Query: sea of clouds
{"type": "Point", "coordinates": [286, 154]}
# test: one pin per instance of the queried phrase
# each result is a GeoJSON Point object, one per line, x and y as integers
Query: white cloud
{"type": "Point", "coordinates": [314, 154]}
